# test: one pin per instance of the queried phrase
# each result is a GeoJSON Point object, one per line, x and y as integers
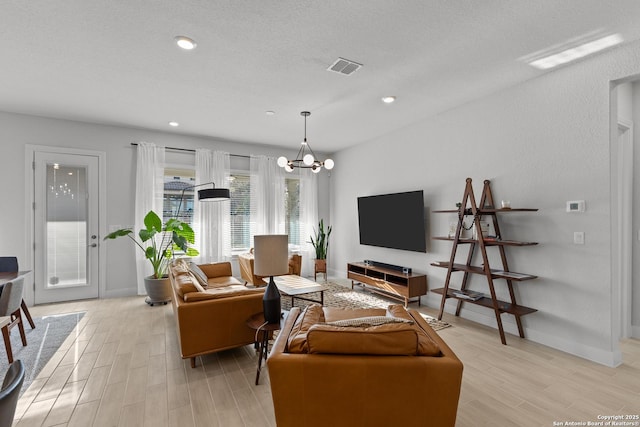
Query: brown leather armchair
{"type": "Point", "coordinates": [323, 385]}
{"type": "Point", "coordinates": [246, 268]}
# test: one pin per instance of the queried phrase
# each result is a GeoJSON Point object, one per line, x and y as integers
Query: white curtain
{"type": "Point", "coordinates": [149, 196]}
{"type": "Point", "coordinates": [308, 218]}
{"type": "Point", "coordinates": [267, 196]}
{"type": "Point", "coordinates": [212, 220]}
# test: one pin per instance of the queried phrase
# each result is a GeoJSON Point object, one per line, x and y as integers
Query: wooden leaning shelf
{"type": "Point", "coordinates": [486, 207]}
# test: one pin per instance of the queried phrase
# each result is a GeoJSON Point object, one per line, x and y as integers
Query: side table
{"type": "Point", "coordinates": [263, 330]}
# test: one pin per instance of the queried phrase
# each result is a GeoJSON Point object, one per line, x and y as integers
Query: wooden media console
{"type": "Point", "coordinates": [388, 282]}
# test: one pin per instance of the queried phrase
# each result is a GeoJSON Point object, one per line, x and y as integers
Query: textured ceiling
{"type": "Point", "coordinates": [115, 61]}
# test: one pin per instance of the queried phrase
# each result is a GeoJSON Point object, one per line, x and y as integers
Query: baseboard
{"type": "Point", "coordinates": [635, 331]}
{"type": "Point", "coordinates": [119, 293]}
{"type": "Point", "coordinates": [597, 355]}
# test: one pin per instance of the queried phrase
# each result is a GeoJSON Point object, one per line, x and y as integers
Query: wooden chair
{"type": "Point", "coordinates": [10, 306]}
{"type": "Point", "coordinates": [9, 264]}
{"type": "Point", "coordinates": [295, 264]}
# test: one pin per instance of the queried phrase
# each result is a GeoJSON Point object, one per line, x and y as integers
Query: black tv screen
{"type": "Point", "coordinates": [393, 221]}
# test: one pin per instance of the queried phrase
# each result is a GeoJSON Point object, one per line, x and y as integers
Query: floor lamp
{"type": "Point", "coordinates": [271, 258]}
{"type": "Point", "coordinates": [206, 194]}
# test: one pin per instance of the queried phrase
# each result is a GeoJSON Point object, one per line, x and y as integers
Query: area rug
{"type": "Point", "coordinates": [42, 343]}
{"type": "Point", "coordinates": [344, 297]}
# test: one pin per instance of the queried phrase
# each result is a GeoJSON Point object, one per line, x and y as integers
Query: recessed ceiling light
{"type": "Point", "coordinates": [270, 113]}
{"type": "Point", "coordinates": [174, 124]}
{"type": "Point", "coordinates": [388, 99]}
{"type": "Point", "coordinates": [185, 42]}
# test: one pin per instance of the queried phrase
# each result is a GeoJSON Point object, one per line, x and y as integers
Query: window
{"type": "Point", "coordinates": [176, 180]}
{"type": "Point", "coordinates": [239, 188]}
{"type": "Point", "coordinates": [240, 212]}
{"type": "Point", "coordinates": [292, 210]}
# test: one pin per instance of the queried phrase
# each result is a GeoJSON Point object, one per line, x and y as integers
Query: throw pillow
{"type": "Point", "coordinates": [369, 321]}
{"type": "Point", "coordinates": [199, 274]}
{"type": "Point", "coordinates": [179, 267]}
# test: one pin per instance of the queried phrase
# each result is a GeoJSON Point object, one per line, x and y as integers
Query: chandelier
{"type": "Point", "coordinates": [306, 158]}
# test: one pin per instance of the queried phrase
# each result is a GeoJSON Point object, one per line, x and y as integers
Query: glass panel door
{"type": "Point", "coordinates": [66, 227]}
{"type": "Point", "coordinates": [66, 224]}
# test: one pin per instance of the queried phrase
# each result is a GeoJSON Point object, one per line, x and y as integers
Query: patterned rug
{"type": "Point", "coordinates": [42, 343]}
{"type": "Point", "coordinates": [343, 297]}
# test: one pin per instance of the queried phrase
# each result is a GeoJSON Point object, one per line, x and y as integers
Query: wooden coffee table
{"type": "Point", "coordinates": [295, 286]}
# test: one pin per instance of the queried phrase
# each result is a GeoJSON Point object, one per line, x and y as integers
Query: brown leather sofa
{"type": "Point", "coordinates": [395, 374]}
{"type": "Point", "coordinates": [211, 308]}
{"type": "Point", "coordinates": [246, 268]}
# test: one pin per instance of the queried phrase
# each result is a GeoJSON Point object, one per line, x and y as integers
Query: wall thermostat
{"type": "Point", "coordinates": [575, 206]}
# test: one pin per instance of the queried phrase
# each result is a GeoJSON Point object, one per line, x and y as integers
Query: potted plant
{"type": "Point", "coordinates": [158, 241]}
{"type": "Point", "coordinates": [321, 245]}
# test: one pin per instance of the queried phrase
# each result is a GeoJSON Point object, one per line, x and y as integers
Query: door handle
{"type": "Point", "coordinates": [93, 245]}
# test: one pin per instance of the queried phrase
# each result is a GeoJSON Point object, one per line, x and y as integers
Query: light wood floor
{"type": "Point", "coordinates": [121, 367]}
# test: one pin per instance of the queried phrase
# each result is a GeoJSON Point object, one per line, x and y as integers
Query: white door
{"type": "Point", "coordinates": [66, 242]}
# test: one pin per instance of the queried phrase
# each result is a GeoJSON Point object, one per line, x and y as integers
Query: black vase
{"type": "Point", "coordinates": [271, 303]}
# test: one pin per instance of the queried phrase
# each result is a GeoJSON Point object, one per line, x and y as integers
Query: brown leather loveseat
{"type": "Point", "coordinates": [341, 367]}
{"type": "Point", "coordinates": [211, 308]}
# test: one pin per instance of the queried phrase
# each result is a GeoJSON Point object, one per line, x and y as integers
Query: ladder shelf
{"type": "Point", "coordinates": [467, 208]}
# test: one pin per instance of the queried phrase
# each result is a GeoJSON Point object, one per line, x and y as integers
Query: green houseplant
{"type": "Point", "coordinates": [320, 243]}
{"type": "Point", "coordinates": [159, 241]}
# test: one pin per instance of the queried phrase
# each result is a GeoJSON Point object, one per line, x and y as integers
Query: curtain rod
{"type": "Point", "coordinates": [191, 150]}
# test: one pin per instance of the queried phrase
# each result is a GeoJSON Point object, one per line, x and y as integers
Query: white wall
{"type": "Point", "coordinates": [635, 295]}
{"type": "Point", "coordinates": [18, 130]}
{"type": "Point", "coordinates": [541, 144]}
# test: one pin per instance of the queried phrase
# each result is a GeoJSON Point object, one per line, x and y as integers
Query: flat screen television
{"type": "Point", "coordinates": [393, 221]}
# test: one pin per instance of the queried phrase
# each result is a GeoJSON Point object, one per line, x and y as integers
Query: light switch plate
{"type": "Point", "coordinates": [578, 237]}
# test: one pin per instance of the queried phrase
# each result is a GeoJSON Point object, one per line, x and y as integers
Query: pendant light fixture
{"type": "Point", "coordinates": [306, 158]}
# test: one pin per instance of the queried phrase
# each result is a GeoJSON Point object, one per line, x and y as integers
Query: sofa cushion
{"type": "Point", "coordinates": [389, 339]}
{"type": "Point", "coordinates": [297, 340]}
{"type": "Point", "coordinates": [426, 346]}
{"type": "Point", "coordinates": [221, 292]}
{"type": "Point", "coordinates": [217, 269]}
{"type": "Point", "coordinates": [184, 284]}
{"type": "Point", "coordinates": [332, 314]}
{"type": "Point", "coordinates": [359, 331]}
{"type": "Point", "coordinates": [221, 282]}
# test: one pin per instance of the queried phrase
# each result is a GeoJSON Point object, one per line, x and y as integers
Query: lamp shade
{"type": "Point", "coordinates": [271, 255]}
{"type": "Point", "coordinates": [213, 194]}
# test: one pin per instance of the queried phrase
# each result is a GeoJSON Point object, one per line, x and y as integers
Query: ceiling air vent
{"type": "Point", "coordinates": [344, 66]}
